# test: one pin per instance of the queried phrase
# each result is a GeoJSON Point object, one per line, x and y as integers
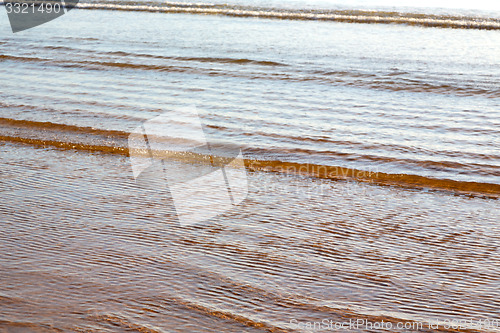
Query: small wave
{"type": "Point", "coordinates": [222, 60]}
{"type": "Point", "coordinates": [115, 142]}
{"type": "Point", "coordinates": [403, 180]}
{"type": "Point", "coordinates": [62, 127]}
{"type": "Point", "coordinates": [351, 79]}
{"type": "Point", "coordinates": [141, 66]}
{"type": "Point", "coordinates": [64, 136]}
{"type": "Point", "coordinates": [241, 61]}
{"type": "Point", "coordinates": [67, 145]}
{"type": "Point", "coordinates": [347, 16]}
{"type": "Point", "coordinates": [231, 61]}
{"type": "Point", "coordinates": [475, 189]}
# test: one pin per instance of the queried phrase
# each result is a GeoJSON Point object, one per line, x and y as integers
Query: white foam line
{"type": "Point", "coordinates": [464, 23]}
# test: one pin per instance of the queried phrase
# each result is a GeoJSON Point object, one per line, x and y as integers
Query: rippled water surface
{"type": "Point", "coordinates": [395, 128]}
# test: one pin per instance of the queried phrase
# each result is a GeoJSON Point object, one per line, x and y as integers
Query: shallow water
{"type": "Point", "coordinates": [393, 216]}
{"type": "Point", "coordinates": [85, 248]}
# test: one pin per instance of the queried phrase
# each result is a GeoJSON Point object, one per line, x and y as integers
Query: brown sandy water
{"type": "Point", "coordinates": [85, 248]}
